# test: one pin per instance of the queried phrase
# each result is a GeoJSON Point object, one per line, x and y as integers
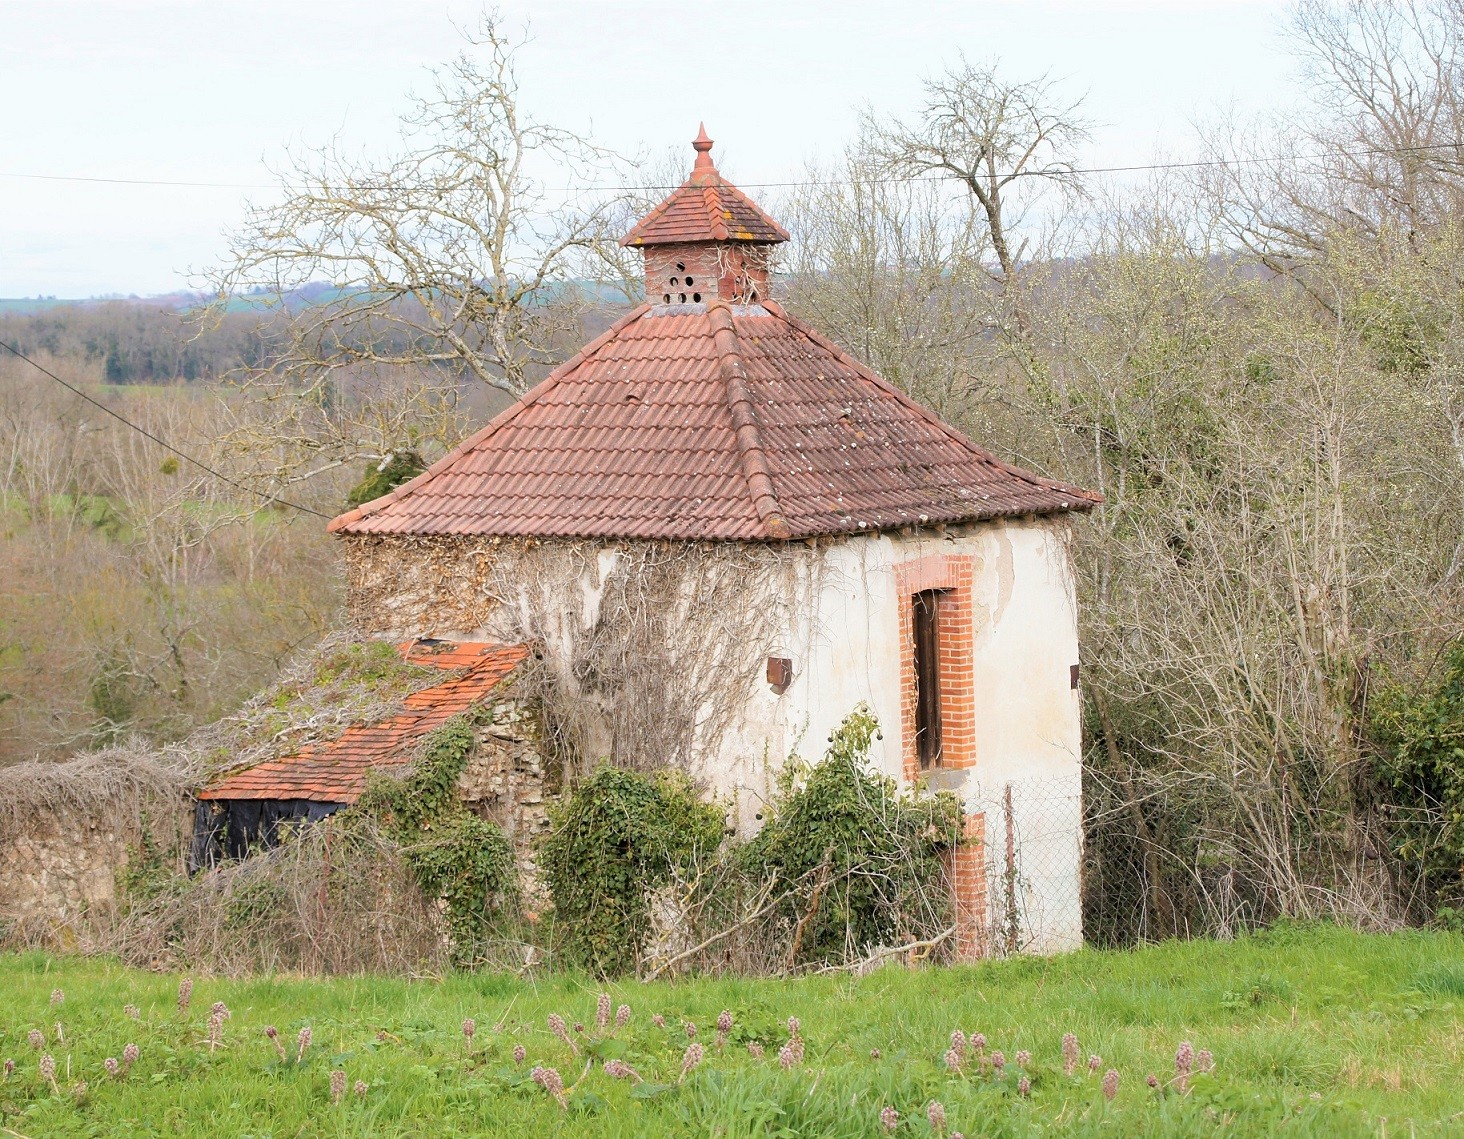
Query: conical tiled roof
{"type": "Point", "coordinates": [706, 207]}
{"type": "Point", "coordinates": [709, 422]}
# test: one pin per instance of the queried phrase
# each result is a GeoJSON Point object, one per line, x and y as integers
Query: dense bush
{"type": "Point", "coordinates": [616, 839]}
{"type": "Point", "coordinates": [857, 864]}
{"type": "Point", "coordinates": [1421, 733]}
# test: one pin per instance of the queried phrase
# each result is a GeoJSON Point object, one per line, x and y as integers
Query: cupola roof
{"type": "Point", "coordinates": [706, 207]}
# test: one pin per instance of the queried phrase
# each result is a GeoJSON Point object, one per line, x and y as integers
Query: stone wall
{"type": "Point", "coordinates": [61, 869]}
{"type": "Point", "coordinates": [508, 782]}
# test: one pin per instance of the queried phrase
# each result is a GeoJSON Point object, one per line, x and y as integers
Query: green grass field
{"type": "Point", "coordinates": [1314, 1031]}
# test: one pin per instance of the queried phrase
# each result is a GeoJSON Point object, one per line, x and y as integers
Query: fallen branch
{"type": "Point", "coordinates": [891, 951]}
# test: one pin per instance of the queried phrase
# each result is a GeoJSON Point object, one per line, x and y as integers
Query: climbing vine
{"type": "Point", "coordinates": [464, 861]}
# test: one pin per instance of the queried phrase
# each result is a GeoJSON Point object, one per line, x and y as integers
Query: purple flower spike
{"type": "Point", "coordinates": [936, 1113]}
{"type": "Point", "coordinates": [1110, 1084]}
{"type": "Point", "coordinates": [1024, 1087]}
{"type": "Point", "coordinates": [1069, 1054]}
{"type": "Point", "coordinates": [889, 1118]}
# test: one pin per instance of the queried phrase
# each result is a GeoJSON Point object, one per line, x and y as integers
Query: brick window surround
{"type": "Point", "coordinates": [952, 574]}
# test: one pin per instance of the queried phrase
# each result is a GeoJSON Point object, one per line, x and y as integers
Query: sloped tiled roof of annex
{"type": "Point", "coordinates": [706, 207]}
{"type": "Point", "coordinates": [335, 772]}
{"type": "Point", "coordinates": [709, 422]}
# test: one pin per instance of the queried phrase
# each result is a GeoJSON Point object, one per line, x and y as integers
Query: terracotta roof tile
{"type": "Point", "coordinates": [746, 425]}
{"type": "Point", "coordinates": [336, 772]}
{"type": "Point", "coordinates": [705, 207]}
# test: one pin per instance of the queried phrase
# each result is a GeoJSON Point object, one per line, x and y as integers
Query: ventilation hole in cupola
{"type": "Point", "coordinates": [683, 298]}
{"type": "Point", "coordinates": [696, 298]}
{"type": "Point", "coordinates": [673, 282]}
{"type": "Point", "coordinates": [681, 266]}
{"type": "Point", "coordinates": [689, 282]}
{"type": "Point", "coordinates": [666, 298]}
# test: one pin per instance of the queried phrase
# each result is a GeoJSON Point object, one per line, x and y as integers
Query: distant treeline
{"type": "Point", "coordinates": [139, 342]}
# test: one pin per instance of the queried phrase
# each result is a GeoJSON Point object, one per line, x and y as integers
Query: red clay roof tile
{"type": "Point", "coordinates": [336, 772]}
{"type": "Point", "coordinates": [705, 207]}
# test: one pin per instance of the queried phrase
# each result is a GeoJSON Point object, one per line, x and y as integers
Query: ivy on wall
{"type": "Point", "coordinates": [464, 861]}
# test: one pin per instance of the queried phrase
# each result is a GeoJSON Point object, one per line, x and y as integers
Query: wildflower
{"type": "Point", "coordinates": [216, 1017]}
{"type": "Point", "coordinates": [131, 1011]}
{"type": "Point", "coordinates": [185, 994]}
{"type": "Point", "coordinates": [1152, 1080]}
{"type": "Point", "coordinates": [796, 1047]}
{"type": "Point", "coordinates": [47, 1067]}
{"type": "Point", "coordinates": [978, 1042]}
{"type": "Point", "coordinates": [724, 1026]}
{"type": "Point", "coordinates": [114, 1069]}
{"type": "Point", "coordinates": [1204, 1060]}
{"type": "Point", "coordinates": [1184, 1063]}
{"type": "Point", "coordinates": [957, 1135]}
{"type": "Point", "coordinates": [622, 1016]}
{"type": "Point", "coordinates": [794, 1025]}
{"type": "Point", "coordinates": [1069, 1054]}
{"type": "Point", "coordinates": [337, 1086]}
{"type": "Point", "coordinates": [1094, 1063]}
{"type": "Point", "coordinates": [889, 1118]}
{"type": "Point", "coordinates": [874, 1053]}
{"type": "Point", "coordinates": [35, 1038]}
{"type": "Point", "coordinates": [754, 1049]}
{"type": "Point", "coordinates": [303, 1040]}
{"type": "Point", "coordinates": [936, 1113]}
{"type": "Point", "coordinates": [550, 1080]}
{"type": "Point", "coordinates": [691, 1058]}
{"type": "Point", "coordinates": [130, 1055]}
{"type": "Point", "coordinates": [659, 1021]}
{"type": "Point", "coordinates": [998, 1061]}
{"type": "Point", "coordinates": [953, 1060]}
{"type": "Point", "coordinates": [520, 1053]}
{"type": "Point", "coordinates": [1024, 1087]}
{"type": "Point", "coordinates": [602, 1012]}
{"type": "Point", "coordinates": [78, 1090]}
{"type": "Point", "coordinates": [958, 1043]}
{"type": "Point", "coordinates": [785, 1056]}
{"type": "Point", "coordinates": [361, 1088]}
{"type": "Point", "coordinates": [274, 1038]}
{"type": "Point", "coordinates": [1110, 1084]}
{"type": "Point", "coordinates": [556, 1026]}
{"type": "Point", "coordinates": [1023, 1058]}
{"type": "Point", "coordinates": [57, 998]}
{"type": "Point", "coordinates": [620, 1070]}
{"type": "Point", "coordinates": [470, 1027]}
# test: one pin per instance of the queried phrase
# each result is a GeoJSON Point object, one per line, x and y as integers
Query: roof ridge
{"type": "Point", "coordinates": [713, 201]}
{"type": "Point", "coordinates": [745, 427]}
{"type": "Point", "coordinates": [530, 397]}
{"type": "Point", "coordinates": [920, 409]}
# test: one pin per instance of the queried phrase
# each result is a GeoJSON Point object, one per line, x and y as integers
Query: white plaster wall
{"type": "Point", "coordinates": [1028, 717]}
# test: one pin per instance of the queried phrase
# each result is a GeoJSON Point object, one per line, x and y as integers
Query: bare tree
{"type": "Point", "coordinates": [999, 139]}
{"type": "Point", "coordinates": [1381, 152]}
{"type": "Point", "coordinates": [448, 261]}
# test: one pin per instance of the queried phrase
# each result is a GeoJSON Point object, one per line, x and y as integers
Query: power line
{"type": "Point", "coordinates": [160, 442]}
{"type": "Point", "coordinates": [799, 183]}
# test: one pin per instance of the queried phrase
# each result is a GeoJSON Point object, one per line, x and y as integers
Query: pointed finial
{"type": "Point", "coordinates": [703, 147]}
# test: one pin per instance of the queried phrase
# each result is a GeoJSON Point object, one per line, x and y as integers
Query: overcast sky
{"type": "Point", "coordinates": [213, 91]}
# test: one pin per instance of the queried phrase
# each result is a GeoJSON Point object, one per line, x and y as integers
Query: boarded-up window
{"type": "Point", "coordinates": [926, 606]}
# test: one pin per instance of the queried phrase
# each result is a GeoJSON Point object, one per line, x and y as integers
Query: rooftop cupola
{"type": "Point", "coordinates": [706, 240]}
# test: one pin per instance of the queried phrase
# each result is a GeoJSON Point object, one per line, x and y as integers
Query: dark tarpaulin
{"type": "Point", "coordinates": [232, 828]}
